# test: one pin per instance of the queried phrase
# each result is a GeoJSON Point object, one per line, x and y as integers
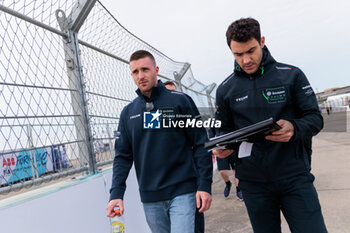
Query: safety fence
{"type": "Point", "coordinates": [64, 79]}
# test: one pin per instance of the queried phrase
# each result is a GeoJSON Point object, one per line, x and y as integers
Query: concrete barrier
{"type": "Point", "coordinates": [71, 206]}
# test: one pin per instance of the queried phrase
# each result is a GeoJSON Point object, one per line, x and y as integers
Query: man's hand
{"type": "Point", "coordinates": [203, 200]}
{"type": "Point", "coordinates": [113, 204]}
{"type": "Point", "coordinates": [284, 134]}
{"type": "Point", "coordinates": [222, 153]}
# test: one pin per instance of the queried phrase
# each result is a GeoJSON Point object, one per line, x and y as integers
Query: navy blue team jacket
{"type": "Point", "coordinates": [168, 162]}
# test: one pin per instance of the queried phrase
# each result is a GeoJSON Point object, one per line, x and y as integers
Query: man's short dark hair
{"type": "Point", "coordinates": [242, 30]}
{"type": "Point", "coordinates": [169, 83]}
{"type": "Point", "coordinates": [141, 54]}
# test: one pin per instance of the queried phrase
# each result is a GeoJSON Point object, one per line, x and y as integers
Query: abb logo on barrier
{"type": "Point", "coordinates": [8, 162]}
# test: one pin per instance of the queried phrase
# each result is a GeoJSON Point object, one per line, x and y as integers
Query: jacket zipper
{"type": "Point", "coordinates": [261, 118]}
{"type": "Point", "coordinates": [256, 96]}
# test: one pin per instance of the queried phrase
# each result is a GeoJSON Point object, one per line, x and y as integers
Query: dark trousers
{"type": "Point", "coordinates": [296, 197]}
{"type": "Point", "coordinates": [199, 222]}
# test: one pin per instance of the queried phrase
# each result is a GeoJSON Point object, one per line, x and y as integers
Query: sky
{"type": "Point", "coordinates": [311, 34]}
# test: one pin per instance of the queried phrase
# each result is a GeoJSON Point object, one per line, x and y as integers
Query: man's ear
{"type": "Point", "coordinates": [262, 42]}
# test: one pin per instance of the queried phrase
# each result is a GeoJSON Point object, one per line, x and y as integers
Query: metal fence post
{"type": "Point", "coordinates": [111, 147]}
{"type": "Point", "coordinates": [210, 104]}
{"type": "Point", "coordinates": [79, 13]}
{"type": "Point", "coordinates": [180, 75]}
{"type": "Point", "coordinates": [32, 154]}
{"type": "Point", "coordinates": [71, 26]}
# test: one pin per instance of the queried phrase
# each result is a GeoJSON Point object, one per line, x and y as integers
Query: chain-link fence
{"type": "Point", "coordinates": [64, 79]}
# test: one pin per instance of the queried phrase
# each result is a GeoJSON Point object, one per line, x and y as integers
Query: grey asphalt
{"type": "Point", "coordinates": [331, 167]}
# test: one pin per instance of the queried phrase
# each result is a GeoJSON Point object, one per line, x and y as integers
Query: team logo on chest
{"type": "Point", "coordinates": [275, 95]}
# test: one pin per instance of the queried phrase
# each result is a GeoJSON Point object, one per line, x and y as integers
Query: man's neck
{"type": "Point", "coordinates": [147, 93]}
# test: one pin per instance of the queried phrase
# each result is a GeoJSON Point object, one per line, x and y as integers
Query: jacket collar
{"type": "Point", "coordinates": [266, 61]}
{"type": "Point", "coordinates": [155, 92]}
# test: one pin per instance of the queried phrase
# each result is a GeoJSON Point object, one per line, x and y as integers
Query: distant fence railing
{"type": "Point", "coordinates": [64, 79]}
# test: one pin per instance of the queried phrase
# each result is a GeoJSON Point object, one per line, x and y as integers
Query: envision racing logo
{"type": "Point", "coordinates": [275, 95]}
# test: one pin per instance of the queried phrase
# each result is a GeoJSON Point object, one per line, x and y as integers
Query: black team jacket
{"type": "Point", "coordinates": [276, 90]}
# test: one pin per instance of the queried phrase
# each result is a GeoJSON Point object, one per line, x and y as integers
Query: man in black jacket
{"type": "Point", "coordinates": [274, 171]}
{"type": "Point", "coordinates": [173, 169]}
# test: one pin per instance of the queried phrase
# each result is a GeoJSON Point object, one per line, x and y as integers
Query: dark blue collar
{"type": "Point", "coordinates": [155, 92]}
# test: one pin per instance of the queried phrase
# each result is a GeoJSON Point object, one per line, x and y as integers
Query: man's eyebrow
{"type": "Point", "coordinates": [249, 50]}
{"type": "Point", "coordinates": [140, 68]}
